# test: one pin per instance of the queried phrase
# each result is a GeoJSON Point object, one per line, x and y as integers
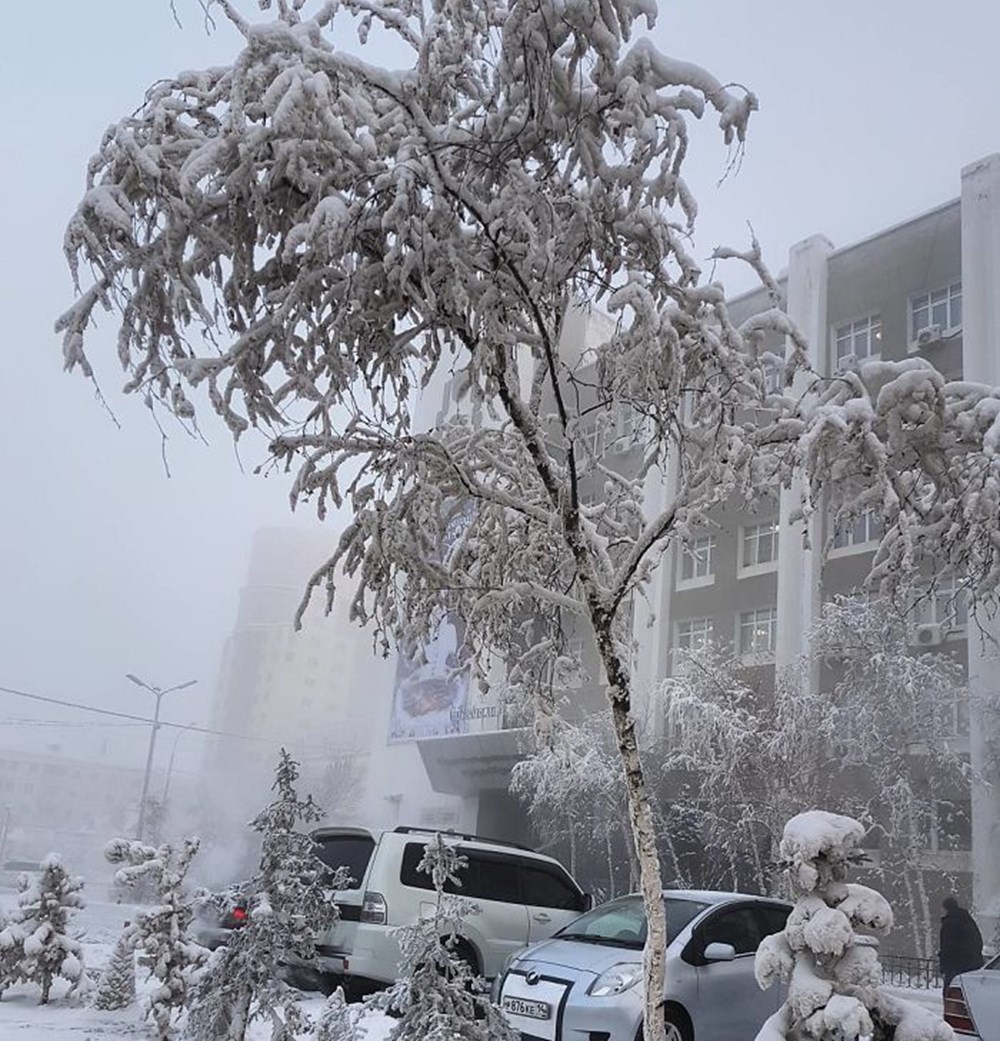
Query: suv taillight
{"type": "Point", "coordinates": [373, 909]}
{"type": "Point", "coordinates": [956, 1011]}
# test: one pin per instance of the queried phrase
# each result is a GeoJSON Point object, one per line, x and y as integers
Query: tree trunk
{"type": "Point", "coordinates": [650, 881]}
{"type": "Point", "coordinates": [571, 834]}
{"type": "Point", "coordinates": [609, 853]}
{"type": "Point", "coordinates": [46, 987]}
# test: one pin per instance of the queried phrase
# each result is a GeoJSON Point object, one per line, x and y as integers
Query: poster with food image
{"type": "Point", "coordinates": [429, 699]}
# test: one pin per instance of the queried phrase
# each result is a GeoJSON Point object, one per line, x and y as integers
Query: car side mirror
{"type": "Point", "coordinates": [588, 901]}
{"type": "Point", "coordinates": [719, 952]}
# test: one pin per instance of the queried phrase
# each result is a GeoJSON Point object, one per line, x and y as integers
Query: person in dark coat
{"type": "Point", "coordinates": [961, 942]}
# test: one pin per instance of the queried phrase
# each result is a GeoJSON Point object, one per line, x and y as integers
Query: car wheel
{"type": "Point", "coordinates": [677, 1025]}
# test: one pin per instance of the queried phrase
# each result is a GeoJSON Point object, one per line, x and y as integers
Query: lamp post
{"type": "Point", "coordinates": [170, 766]}
{"type": "Point", "coordinates": [157, 693]}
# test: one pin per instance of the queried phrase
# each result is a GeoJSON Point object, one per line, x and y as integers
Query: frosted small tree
{"type": "Point", "coordinates": [438, 997]}
{"type": "Point", "coordinates": [116, 987]}
{"type": "Point", "coordinates": [11, 941]}
{"type": "Point", "coordinates": [827, 953]}
{"type": "Point", "coordinates": [288, 903]}
{"type": "Point", "coordinates": [161, 933]}
{"type": "Point", "coordinates": [891, 702]}
{"type": "Point", "coordinates": [40, 928]}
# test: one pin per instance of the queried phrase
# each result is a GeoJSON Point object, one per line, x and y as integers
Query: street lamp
{"type": "Point", "coordinates": [157, 693]}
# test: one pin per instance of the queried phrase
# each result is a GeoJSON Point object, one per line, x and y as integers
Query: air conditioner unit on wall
{"type": "Point", "coordinates": [930, 635]}
{"type": "Point", "coordinates": [928, 335]}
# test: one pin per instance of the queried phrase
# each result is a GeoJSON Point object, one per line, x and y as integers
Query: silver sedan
{"type": "Point", "coordinates": [585, 984]}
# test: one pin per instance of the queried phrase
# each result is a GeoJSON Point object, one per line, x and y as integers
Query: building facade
{"type": "Point", "coordinates": [928, 288]}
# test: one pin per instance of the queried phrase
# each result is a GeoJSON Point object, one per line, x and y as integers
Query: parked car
{"type": "Point", "coordinates": [217, 914]}
{"type": "Point", "coordinates": [972, 1003]}
{"type": "Point", "coordinates": [586, 981]}
{"type": "Point", "coordinates": [522, 897]}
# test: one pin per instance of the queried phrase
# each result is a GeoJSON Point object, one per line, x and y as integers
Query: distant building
{"type": "Point", "coordinates": [51, 803]}
{"type": "Point", "coordinates": [311, 691]}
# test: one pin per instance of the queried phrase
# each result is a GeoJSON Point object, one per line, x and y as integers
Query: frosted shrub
{"type": "Point", "coordinates": [438, 996]}
{"type": "Point", "coordinates": [35, 946]}
{"type": "Point", "coordinates": [161, 933]}
{"type": "Point", "coordinates": [288, 901]}
{"type": "Point", "coordinates": [116, 989]}
{"type": "Point", "coordinates": [832, 970]}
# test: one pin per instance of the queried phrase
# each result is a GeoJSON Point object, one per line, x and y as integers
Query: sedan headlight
{"type": "Point", "coordinates": [618, 978]}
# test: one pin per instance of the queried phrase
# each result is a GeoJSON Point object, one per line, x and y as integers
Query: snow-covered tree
{"type": "Point", "coordinates": [288, 903]}
{"type": "Point", "coordinates": [35, 945]}
{"type": "Point", "coordinates": [345, 233]}
{"type": "Point", "coordinates": [899, 714]}
{"type": "Point", "coordinates": [161, 933]}
{"type": "Point", "coordinates": [116, 987]}
{"type": "Point", "coordinates": [832, 969]}
{"type": "Point", "coordinates": [438, 997]}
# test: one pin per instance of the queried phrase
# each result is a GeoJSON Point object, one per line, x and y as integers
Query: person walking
{"type": "Point", "coordinates": [961, 947]}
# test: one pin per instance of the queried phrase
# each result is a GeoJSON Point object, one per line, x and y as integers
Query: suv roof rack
{"type": "Point", "coordinates": [404, 829]}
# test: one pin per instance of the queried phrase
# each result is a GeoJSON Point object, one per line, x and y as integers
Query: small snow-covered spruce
{"type": "Point", "coordinates": [161, 933]}
{"type": "Point", "coordinates": [288, 903]}
{"type": "Point", "coordinates": [438, 996]}
{"type": "Point", "coordinates": [338, 1020]}
{"type": "Point", "coordinates": [833, 972]}
{"type": "Point", "coordinates": [11, 943]}
{"type": "Point", "coordinates": [40, 925]}
{"type": "Point", "coordinates": [116, 987]}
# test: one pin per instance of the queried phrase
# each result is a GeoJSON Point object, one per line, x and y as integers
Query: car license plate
{"type": "Point", "coordinates": [528, 1009]}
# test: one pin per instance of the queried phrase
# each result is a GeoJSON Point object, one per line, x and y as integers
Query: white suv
{"type": "Point", "coordinates": [522, 897]}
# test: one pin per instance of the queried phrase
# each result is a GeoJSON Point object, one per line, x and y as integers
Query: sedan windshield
{"type": "Point", "coordinates": [622, 922]}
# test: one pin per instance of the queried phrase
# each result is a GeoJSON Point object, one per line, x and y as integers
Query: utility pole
{"type": "Point", "coordinates": [158, 693]}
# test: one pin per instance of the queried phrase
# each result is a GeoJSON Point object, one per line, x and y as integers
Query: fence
{"type": "Point", "coordinates": [902, 971]}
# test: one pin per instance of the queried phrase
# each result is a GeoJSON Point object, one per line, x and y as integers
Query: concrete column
{"type": "Point", "coordinates": [981, 363]}
{"type": "Point", "coordinates": [799, 545]}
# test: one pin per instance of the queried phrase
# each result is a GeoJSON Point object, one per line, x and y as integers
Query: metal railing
{"type": "Point", "coordinates": [903, 971]}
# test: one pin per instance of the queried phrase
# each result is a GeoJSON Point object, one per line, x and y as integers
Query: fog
{"type": "Point", "coordinates": [108, 565]}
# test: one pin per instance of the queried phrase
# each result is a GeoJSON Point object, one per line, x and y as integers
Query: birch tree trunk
{"type": "Point", "coordinates": [643, 833]}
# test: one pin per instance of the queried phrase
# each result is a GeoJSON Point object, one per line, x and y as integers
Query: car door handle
{"type": "Point", "coordinates": [541, 917]}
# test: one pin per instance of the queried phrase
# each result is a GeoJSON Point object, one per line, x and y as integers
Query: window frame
{"type": "Point", "coordinates": [753, 653]}
{"type": "Point", "coordinates": [767, 566]}
{"type": "Point", "coordinates": [872, 326]}
{"type": "Point", "coordinates": [688, 551]}
{"type": "Point", "coordinates": [944, 590]}
{"type": "Point", "coordinates": [948, 329]}
{"type": "Point", "coordinates": [871, 519]}
{"type": "Point", "coordinates": [707, 631]}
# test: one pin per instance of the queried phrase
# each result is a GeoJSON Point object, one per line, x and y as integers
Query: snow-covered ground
{"type": "Point", "coordinates": [22, 1019]}
{"type": "Point", "coordinates": [97, 927]}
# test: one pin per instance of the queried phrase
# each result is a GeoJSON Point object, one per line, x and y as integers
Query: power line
{"type": "Point", "coordinates": [131, 716]}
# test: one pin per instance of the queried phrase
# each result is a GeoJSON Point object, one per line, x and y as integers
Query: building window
{"type": "Point", "coordinates": [862, 339]}
{"type": "Point", "coordinates": [863, 530]}
{"type": "Point", "coordinates": [694, 634]}
{"type": "Point", "coordinates": [697, 561]}
{"type": "Point", "coordinates": [759, 631]}
{"type": "Point", "coordinates": [759, 547]}
{"type": "Point", "coordinates": [942, 603]}
{"type": "Point", "coordinates": [941, 308]}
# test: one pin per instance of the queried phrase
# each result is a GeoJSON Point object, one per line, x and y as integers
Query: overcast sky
{"type": "Point", "coordinates": [868, 110]}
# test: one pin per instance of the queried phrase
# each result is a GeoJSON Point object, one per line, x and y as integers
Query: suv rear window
{"type": "Point", "coordinates": [349, 851]}
{"type": "Point", "coordinates": [487, 876]}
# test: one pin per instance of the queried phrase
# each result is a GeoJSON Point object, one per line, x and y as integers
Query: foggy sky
{"type": "Point", "coordinates": [868, 110]}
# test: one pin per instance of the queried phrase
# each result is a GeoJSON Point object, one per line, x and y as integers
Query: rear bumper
{"type": "Point", "coordinates": [375, 955]}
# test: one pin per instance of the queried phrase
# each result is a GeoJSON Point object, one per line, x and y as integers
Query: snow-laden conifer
{"type": "Point", "coordinates": [38, 931]}
{"type": "Point", "coordinates": [11, 940]}
{"type": "Point", "coordinates": [339, 1020]}
{"type": "Point", "coordinates": [116, 987]}
{"type": "Point", "coordinates": [827, 952]}
{"type": "Point", "coordinates": [160, 933]}
{"type": "Point", "coordinates": [288, 902]}
{"type": "Point", "coordinates": [438, 996]}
